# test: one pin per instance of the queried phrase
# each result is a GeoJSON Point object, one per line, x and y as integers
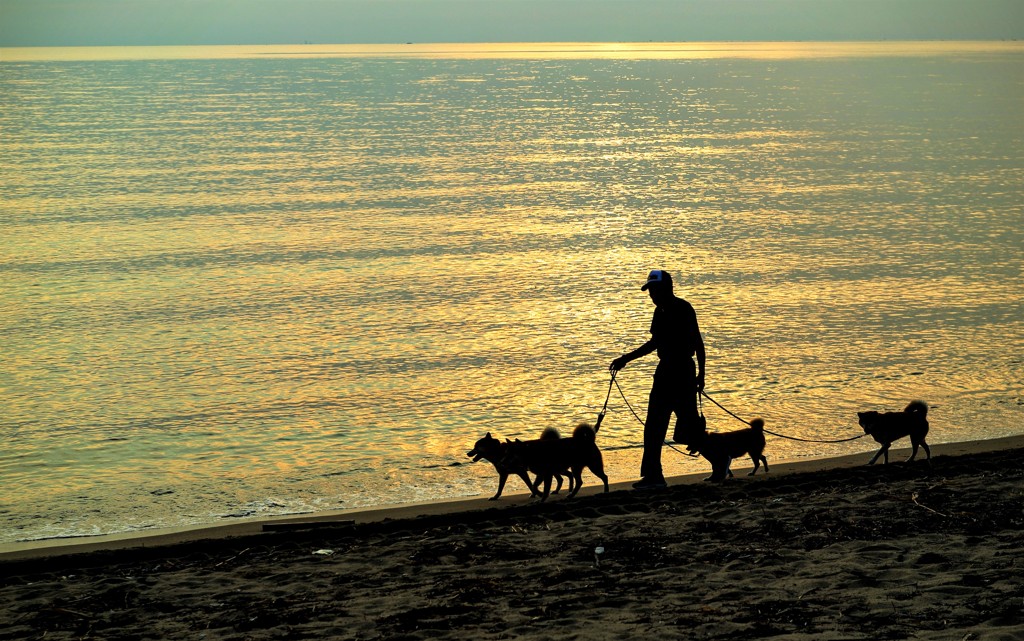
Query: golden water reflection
{"type": "Point", "coordinates": [276, 284]}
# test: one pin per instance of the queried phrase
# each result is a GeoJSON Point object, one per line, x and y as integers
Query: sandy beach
{"type": "Point", "coordinates": [829, 549]}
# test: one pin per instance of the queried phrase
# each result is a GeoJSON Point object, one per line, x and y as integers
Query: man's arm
{"type": "Point", "coordinates": [643, 350]}
{"type": "Point", "coordinates": [701, 356]}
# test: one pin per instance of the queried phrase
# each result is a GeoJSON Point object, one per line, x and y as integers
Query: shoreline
{"type": "Point", "coordinates": [148, 539]}
{"type": "Point", "coordinates": [831, 550]}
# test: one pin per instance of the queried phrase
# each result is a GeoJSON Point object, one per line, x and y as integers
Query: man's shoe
{"type": "Point", "coordinates": [650, 484]}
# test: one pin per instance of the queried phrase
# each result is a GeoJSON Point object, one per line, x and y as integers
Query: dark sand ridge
{"type": "Point", "coordinates": [829, 549]}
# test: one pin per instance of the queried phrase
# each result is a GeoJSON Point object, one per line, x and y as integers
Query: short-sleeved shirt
{"type": "Point", "coordinates": [675, 331]}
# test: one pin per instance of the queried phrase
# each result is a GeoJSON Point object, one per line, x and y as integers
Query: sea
{"type": "Point", "coordinates": [246, 281]}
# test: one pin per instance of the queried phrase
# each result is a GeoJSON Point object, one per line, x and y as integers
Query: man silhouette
{"type": "Point", "coordinates": [675, 335]}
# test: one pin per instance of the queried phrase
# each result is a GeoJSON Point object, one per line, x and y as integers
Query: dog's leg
{"type": "Point", "coordinates": [501, 486]}
{"type": "Point", "coordinates": [534, 486]}
{"type": "Point", "coordinates": [719, 470]}
{"type": "Point", "coordinates": [598, 471]}
{"type": "Point", "coordinates": [558, 483]}
{"type": "Point", "coordinates": [765, 461]}
{"type": "Point", "coordinates": [576, 473]}
{"type": "Point", "coordinates": [757, 464]}
{"type": "Point", "coordinates": [596, 465]}
{"type": "Point", "coordinates": [547, 488]}
{"type": "Point", "coordinates": [883, 450]}
{"type": "Point", "coordinates": [718, 475]}
{"type": "Point", "coordinates": [927, 451]}
{"type": "Point", "coordinates": [913, 452]}
{"type": "Point", "coordinates": [543, 494]}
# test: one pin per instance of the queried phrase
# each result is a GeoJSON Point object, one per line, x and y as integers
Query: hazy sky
{"type": "Point", "coordinates": [147, 22]}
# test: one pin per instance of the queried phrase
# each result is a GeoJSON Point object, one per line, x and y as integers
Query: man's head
{"type": "Point", "coordinates": [658, 285]}
{"type": "Point", "coordinates": [658, 279]}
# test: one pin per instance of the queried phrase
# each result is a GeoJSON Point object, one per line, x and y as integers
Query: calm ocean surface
{"type": "Point", "coordinates": [267, 280]}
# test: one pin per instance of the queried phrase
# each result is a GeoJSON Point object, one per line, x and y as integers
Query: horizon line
{"type": "Point", "coordinates": [649, 49]}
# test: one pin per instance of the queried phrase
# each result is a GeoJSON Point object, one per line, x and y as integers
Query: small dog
{"type": "Point", "coordinates": [892, 426]}
{"type": "Point", "coordinates": [721, 448]}
{"type": "Point", "coordinates": [548, 457]}
{"type": "Point", "coordinates": [496, 452]}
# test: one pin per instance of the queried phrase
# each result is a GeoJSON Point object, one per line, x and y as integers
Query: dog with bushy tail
{"type": "Point", "coordinates": [886, 427]}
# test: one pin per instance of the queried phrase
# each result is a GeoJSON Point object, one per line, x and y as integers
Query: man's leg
{"type": "Point", "coordinates": [659, 412]}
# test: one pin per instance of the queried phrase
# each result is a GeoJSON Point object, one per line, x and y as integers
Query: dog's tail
{"type": "Point", "coordinates": [919, 408]}
{"type": "Point", "coordinates": [550, 434]}
{"type": "Point", "coordinates": [585, 431]}
{"type": "Point", "coordinates": [757, 425]}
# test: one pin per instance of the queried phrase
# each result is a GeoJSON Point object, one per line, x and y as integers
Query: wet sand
{"type": "Point", "coordinates": [829, 549]}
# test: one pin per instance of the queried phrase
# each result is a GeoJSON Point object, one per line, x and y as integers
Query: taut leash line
{"type": "Point", "coordinates": [600, 417]}
{"type": "Point", "coordinates": [792, 438]}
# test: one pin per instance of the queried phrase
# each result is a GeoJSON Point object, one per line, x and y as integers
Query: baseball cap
{"type": "Point", "coordinates": [657, 277]}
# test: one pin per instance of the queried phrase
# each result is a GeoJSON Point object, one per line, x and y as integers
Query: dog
{"type": "Point", "coordinates": [496, 452]}
{"type": "Point", "coordinates": [720, 449]}
{"type": "Point", "coordinates": [548, 457]}
{"type": "Point", "coordinates": [891, 426]}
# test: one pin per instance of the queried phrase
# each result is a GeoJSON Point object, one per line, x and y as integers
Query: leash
{"type": "Point", "coordinates": [640, 420]}
{"type": "Point", "coordinates": [624, 400]}
{"type": "Point", "coordinates": [600, 417]}
{"type": "Point", "coordinates": [792, 438]}
{"type": "Point", "coordinates": [604, 410]}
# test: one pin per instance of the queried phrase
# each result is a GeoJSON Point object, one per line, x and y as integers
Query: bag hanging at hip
{"type": "Point", "coordinates": [693, 429]}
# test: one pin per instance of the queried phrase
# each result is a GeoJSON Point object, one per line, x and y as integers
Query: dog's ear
{"type": "Point", "coordinates": [488, 435]}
